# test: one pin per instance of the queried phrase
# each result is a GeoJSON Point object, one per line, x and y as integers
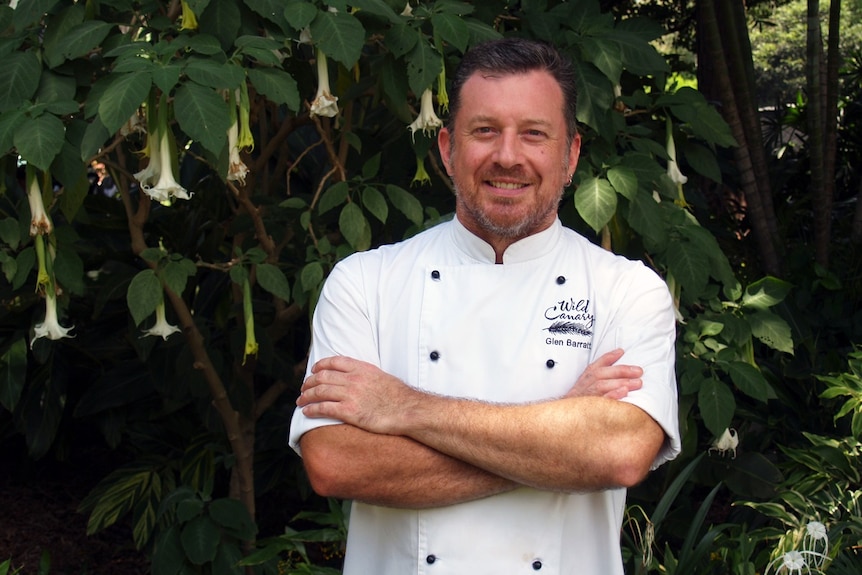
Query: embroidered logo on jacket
{"type": "Point", "coordinates": [571, 317]}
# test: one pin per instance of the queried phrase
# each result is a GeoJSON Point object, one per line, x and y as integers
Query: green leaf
{"type": "Point", "coordinates": [606, 55]}
{"type": "Point", "coordinates": [69, 269]}
{"type": "Point", "coordinates": [765, 293]}
{"type": "Point", "coordinates": [702, 160]}
{"type": "Point", "coordinates": [168, 557]}
{"type": "Point", "coordinates": [198, 465]}
{"type": "Point", "coordinates": [311, 276]}
{"type": "Point", "coordinates": [233, 515]}
{"type": "Point", "coordinates": [39, 140]}
{"type": "Point", "coordinates": [340, 35]}
{"type": "Point", "coordinates": [638, 55]}
{"type": "Point", "coordinates": [94, 138]}
{"type": "Point", "coordinates": [202, 115]}
{"type": "Point", "coordinates": [273, 280]}
{"type": "Point", "coordinates": [175, 274]}
{"type": "Point", "coordinates": [334, 196]}
{"type": "Point", "coordinates": [424, 64]}
{"type": "Point", "coordinates": [272, 10]}
{"type": "Point", "coordinates": [10, 232]}
{"type": "Point", "coordinates": [116, 495]}
{"type": "Point", "coordinates": [595, 96]}
{"type": "Point", "coordinates": [750, 381]}
{"type": "Point", "coordinates": [13, 373]}
{"type": "Point", "coordinates": [21, 71]}
{"type": "Point", "coordinates": [686, 262]}
{"type": "Point", "coordinates": [143, 295]}
{"type": "Point", "coordinates": [166, 76]}
{"type": "Point", "coordinates": [375, 203]}
{"type": "Point", "coordinates": [10, 123]}
{"type": "Point", "coordinates": [299, 13]}
{"type": "Point", "coordinates": [401, 38]}
{"type": "Point", "coordinates": [378, 8]}
{"type": "Point", "coordinates": [122, 98]}
{"type": "Point", "coordinates": [200, 539]}
{"type": "Point", "coordinates": [355, 227]}
{"type": "Point", "coordinates": [596, 202]}
{"type": "Point", "coordinates": [276, 85]}
{"type": "Point", "coordinates": [771, 330]}
{"type": "Point", "coordinates": [716, 404]}
{"type": "Point", "coordinates": [84, 38]}
{"type": "Point", "coordinates": [226, 561]}
{"type": "Point", "coordinates": [222, 19]}
{"type": "Point", "coordinates": [624, 181]}
{"type": "Point", "coordinates": [452, 29]}
{"type": "Point", "coordinates": [213, 74]}
{"type": "Point", "coordinates": [406, 203]}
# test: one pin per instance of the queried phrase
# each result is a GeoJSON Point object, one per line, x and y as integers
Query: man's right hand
{"type": "Point", "coordinates": [604, 379]}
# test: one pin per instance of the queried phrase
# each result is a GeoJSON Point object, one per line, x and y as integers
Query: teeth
{"type": "Point", "coordinates": [506, 185]}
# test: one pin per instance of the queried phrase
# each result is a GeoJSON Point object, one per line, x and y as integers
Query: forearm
{"type": "Point", "coordinates": [570, 444]}
{"type": "Point", "coordinates": [348, 463]}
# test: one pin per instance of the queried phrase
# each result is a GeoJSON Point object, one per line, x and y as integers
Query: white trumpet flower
{"type": "Point", "coordinates": [167, 186]}
{"type": "Point", "coordinates": [40, 223]}
{"type": "Point", "coordinates": [324, 104]}
{"type": "Point", "coordinates": [427, 120]}
{"type": "Point", "coordinates": [237, 170]}
{"type": "Point", "coordinates": [150, 174]}
{"type": "Point", "coordinates": [51, 327]}
{"type": "Point", "coordinates": [728, 442]}
{"type": "Point", "coordinates": [161, 328]}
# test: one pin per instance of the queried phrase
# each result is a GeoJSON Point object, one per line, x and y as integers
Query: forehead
{"type": "Point", "coordinates": [533, 95]}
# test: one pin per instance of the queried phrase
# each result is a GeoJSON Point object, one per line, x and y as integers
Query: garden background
{"type": "Point", "coordinates": [178, 178]}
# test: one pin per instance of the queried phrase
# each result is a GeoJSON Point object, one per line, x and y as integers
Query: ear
{"type": "Point", "coordinates": [574, 154]}
{"type": "Point", "coordinates": [444, 144]}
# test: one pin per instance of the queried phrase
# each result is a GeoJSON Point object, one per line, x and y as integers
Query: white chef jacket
{"type": "Point", "coordinates": [437, 313]}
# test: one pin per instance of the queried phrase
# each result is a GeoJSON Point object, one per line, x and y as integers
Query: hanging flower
{"type": "Point", "coordinates": [421, 177]}
{"type": "Point", "coordinates": [167, 186]}
{"type": "Point", "coordinates": [676, 176]}
{"type": "Point", "coordinates": [442, 94]}
{"type": "Point", "coordinates": [190, 22]}
{"type": "Point", "coordinates": [427, 121]}
{"type": "Point", "coordinates": [251, 345]}
{"type": "Point", "coordinates": [51, 327]}
{"type": "Point", "coordinates": [246, 139]}
{"type": "Point", "coordinates": [324, 104]}
{"type": "Point", "coordinates": [161, 328]}
{"type": "Point", "coordinates": [237, 170]}
{"type": "Point", "coordinates": [726, 443]}
{"type": "Point", "coordinates": [150, 174]}
{"type": "Point", "coordinates": [408, 10]}
{"type": "Point", "coordinates": [40, 222]}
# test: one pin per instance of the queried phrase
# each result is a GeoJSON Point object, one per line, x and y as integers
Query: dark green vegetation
{"type": "Point", "coordinates": [755, 233]}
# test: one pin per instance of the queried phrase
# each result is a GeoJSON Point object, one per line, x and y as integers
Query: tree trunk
{"type": "Point", "coordinates": [822, 206]}
{"type": "Point", "coordinates": [759, 212]}
{"type": "Point", "coordinates": [830, 135]}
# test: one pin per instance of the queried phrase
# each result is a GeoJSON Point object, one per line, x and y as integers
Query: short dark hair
{"type": "Point", "coordinates": [517, 56]}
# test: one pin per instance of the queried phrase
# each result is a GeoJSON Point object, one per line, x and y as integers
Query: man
{"type": "Point", "coordinates": [466, 386]}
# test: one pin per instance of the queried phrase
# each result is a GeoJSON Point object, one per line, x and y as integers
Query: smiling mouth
{"type": "Point", "coordinates": [507, 185]}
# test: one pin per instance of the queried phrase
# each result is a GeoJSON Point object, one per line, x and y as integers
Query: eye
{"type": "Point", "coordinates": [483, 131]}
{"type": "Point", "coordinates": [535, 135]}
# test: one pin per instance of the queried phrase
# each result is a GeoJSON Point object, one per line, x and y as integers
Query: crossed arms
{"type": "Point", "coordinates": [402, 447]}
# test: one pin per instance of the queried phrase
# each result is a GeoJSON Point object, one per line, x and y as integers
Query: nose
{"type": "Point", "coordinates": [508, 151]}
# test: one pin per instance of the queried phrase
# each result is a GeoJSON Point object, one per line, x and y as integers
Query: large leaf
{"type": "Point", "coordinates": [39, 140]}
{"type": "Point", "coordinates": [200, 539]}
{"type": "Point", "coordinates": [10, 122]}
{"type": "Point", "coordinates": [624, 181]}
{"type": "Point", "coordinates": [143, 295]}
{"type": "Point", "coordinates": [606, 55]}
{"type": "Point", "coordinates": [213, 74]}
{"type": "Point", "coordinates": [122, 98]}
{"type": "Point", "coordinates": [750, 381]}
{"type": "Point", "coordinates": [406, 203]}
{"type": "Point", "coordinates": [424, 64]}
{"type": "Point", "coordinates": [451, 29]}
{"type": "Point", "coordinates": [765, 293]}
{"type": "Point", "coordinates": [273, 280]}
{"type": "Point", "coordinates": [686, 262]}
{"type": "Point", "coordinates": [596, 202]}
{"type": "Point", "coordinates": [717, 405]}
{"type": "Point", "coordinates": [202, 115]}
{"type": "Point", "coordinates": [771, 330]}
{"type": "Point", "coordinates": [233, 516]}
{"type": "Point", "coordinates": [340, 35]}
{"type": "Point", "coordinates": [355, 227]}
{"type": "Point", "coordinates": [276, 85]}
{"type": "Point", "coordinates": [13, 371]}
{"type": "Point", "coordinates": [84, 38]}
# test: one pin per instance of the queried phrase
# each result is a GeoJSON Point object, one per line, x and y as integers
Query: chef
{"type": "Point", "coordinates": [486, 391]}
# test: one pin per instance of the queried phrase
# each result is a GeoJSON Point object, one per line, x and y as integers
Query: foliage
{"type": "Point", "coordinates": [208, 162]}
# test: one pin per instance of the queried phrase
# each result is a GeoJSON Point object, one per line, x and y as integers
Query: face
{"type": "Point", "coordinates": [507, 154]}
